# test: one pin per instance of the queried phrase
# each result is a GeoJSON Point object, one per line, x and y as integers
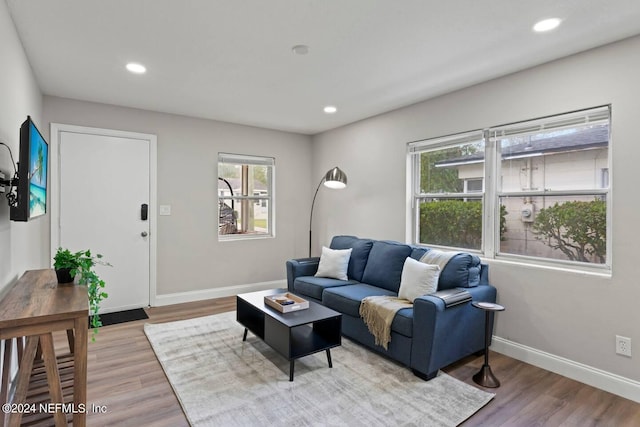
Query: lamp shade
{"type": "Point", "coordinates": [335, 178]}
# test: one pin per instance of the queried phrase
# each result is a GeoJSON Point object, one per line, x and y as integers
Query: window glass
{"type": "Point", "coordinates": [563, 160]}
{"type": "Point", "coordinates": [453, 169]}
{"type": "Point", "coordinates": [453, 222]}
{"type": "Point", "coordinates": [551, 188]}
{"type": "Point", "coordinates": [245, 188]}
{"type": "Point", "coordinates": [572, 228]}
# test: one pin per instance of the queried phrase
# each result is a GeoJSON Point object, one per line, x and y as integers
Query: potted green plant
{"type": "Point", "coordinates": [63, 262]}
{"type": "Point", "coordinates": [69, 264]}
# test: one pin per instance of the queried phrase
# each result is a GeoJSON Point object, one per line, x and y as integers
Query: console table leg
{"type": "Point", "coordinates": [20, 343]}
{"type": "Point", "coordinates": [329, 358]}
{"type": "Point", "coordinates": [292, 363]}
{"type": "Point", "coordinates": [24, 373]}
{"type": "Point", "coordinates": [6, 367]}
{"type": "Point", "coordinates": [53, 376]}
{"type": "Point", "coordinates": [244, 337]}
{"type": "Point", "coordinates": [81, 329]}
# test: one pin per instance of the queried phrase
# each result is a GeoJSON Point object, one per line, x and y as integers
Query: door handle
{"type": "Point", "coordinates": [144, 212]}
{"type": "Point", "coordinates": [144, 234]}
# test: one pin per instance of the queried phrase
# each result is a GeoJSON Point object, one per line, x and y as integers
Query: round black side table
{"type": "Point", "coordinates": [485, 377]}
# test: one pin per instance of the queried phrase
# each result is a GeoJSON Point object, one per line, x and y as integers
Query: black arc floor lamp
{"type": "Point", "coordinates": [335, 179]}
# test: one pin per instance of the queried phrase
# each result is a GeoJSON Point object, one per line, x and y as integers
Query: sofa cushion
{"type": "Point", "coordinates": [418, 278]}
{"type": "Point", "coordinates": [333, 263]}
{"type": "Point", "coordinates": [403, 322]}
{"type": "Point", "coordinates": [463, 271]}
{"type": "Point", "coordinates": [359, 254]}
{"type": "Point", "coordinates": [347, 299]}
{"type": "Point", "coordinates": [314, 286]}
{"type": "Point", "coordinates": [418, 252]}
{"type": "Point", "coordinates": [384, 266]}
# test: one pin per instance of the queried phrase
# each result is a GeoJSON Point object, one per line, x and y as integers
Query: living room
{"type": "Point", "coordinates": [556, 318]}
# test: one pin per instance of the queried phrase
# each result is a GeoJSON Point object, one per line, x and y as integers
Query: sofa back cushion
{"type": "Point", "coordinates": [462, 270]}
{"type": "Point", "coordinates": [359, 254]}
{"type": "Point", "coordinates": [384, 266]}
{"type": "Point", "coordinates": [417, 252]}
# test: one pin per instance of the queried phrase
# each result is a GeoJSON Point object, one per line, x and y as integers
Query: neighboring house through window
{"type": "Point", "coordinates": [245, 196]}
{"type": "Point", "coordinates": [544, 184]}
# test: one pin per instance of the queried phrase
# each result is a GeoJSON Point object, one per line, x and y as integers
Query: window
{"type": "Point", "coordinates": [245, 196]}
{"type": "Point", "coordinates": [447, 197]}
{"type": "Point", "coordinates": [473, 185]}
{"type": "Point", "coordinates": [545, 187]}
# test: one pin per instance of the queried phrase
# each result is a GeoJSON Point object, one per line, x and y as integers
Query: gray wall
{"type": "Point", "coordinates": [567, 314]}
{"type": "Point", "coordinates": [190, 258]}
{"type": "Point", "coordinates": [23, 246]}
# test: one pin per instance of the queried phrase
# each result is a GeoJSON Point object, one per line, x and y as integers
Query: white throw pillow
{"type": "Point", "coordinates": [334, 263]}
{"type": "Point", "coordinates": [418, 279]}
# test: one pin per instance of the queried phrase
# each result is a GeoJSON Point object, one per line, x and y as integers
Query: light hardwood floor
{"type": "Point", "coordinates": [125, 377]}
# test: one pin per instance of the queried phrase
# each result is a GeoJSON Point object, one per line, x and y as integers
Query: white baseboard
{"type": "Point", "coordinates": [616, 384]}
{"type": "Point", "coordinates": [182, 297]}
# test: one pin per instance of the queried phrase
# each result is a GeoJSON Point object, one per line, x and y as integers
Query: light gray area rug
{"type": "Point", "coordinates": [222, 381]}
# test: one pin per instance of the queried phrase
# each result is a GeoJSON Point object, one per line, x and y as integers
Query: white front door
{"type": "Point", "coordinates": [104, 181]}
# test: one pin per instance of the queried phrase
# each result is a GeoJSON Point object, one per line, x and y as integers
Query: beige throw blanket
{"type": "Point", "coordinates": [378, 313]}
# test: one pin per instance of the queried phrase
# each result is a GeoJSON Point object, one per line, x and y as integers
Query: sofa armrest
{"type": "Point", "coordinates": [300, 267]}
{"type": "Point", "coordinates": [442, 335]}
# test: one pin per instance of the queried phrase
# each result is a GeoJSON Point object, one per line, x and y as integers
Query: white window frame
{"type": "Point", "coordinates": [492, 187]}
{"type": "Point", "coordinates": [269, 198]}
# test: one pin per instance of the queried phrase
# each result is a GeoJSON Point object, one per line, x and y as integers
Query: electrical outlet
{"type": "Point", "coordinates": [623, 346]}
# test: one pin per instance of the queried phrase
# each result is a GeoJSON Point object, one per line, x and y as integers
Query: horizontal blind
{"type": "Point", "coordinates": [593, 116]}
{"type": "Point", "coordinates": [241, 159]}
{"type": "Point", "coordinates": [434, 143]}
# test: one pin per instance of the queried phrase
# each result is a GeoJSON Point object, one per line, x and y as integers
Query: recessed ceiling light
{"type": "Point", "coordinates": [136, 68]}
{"type": "Point", "coordinates": [330, 109]}
{"type": "Point", "coordinates": [546, 25]}
{"type": "Point", "coordinates": [300, 49]}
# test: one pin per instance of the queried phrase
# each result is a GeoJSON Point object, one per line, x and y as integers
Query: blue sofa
{"type": "Point", "coordinates": [426, 337]}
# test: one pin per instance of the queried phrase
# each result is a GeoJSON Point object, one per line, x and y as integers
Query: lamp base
{"type": "Point", "coordinates": [485, 377]}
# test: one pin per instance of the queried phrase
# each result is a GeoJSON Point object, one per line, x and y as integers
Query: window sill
{"type": "Point", "coordinates": [237, 237]}
{"type": "Point", "coordinates": [601, 271]}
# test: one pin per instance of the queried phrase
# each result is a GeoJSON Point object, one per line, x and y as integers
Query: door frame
{"type": "Point", "coordinates": [54, 166]}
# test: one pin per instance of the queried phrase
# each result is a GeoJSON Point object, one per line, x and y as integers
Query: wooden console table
{"type": "Point", "coordinates": [34, 308]}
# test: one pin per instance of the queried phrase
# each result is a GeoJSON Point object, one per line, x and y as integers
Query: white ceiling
{"type": "Point", "coordinates": [231, 60]}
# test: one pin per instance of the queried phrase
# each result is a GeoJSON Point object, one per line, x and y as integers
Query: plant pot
{"type": "Point", "coordinates": [64, 275]}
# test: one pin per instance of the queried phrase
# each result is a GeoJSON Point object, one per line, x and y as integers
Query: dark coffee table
{"type": "Point", "coordinates": [293, 335]}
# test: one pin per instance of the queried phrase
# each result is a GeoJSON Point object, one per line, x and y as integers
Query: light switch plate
{"type": "Point", "coordinates": [165, 210]}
